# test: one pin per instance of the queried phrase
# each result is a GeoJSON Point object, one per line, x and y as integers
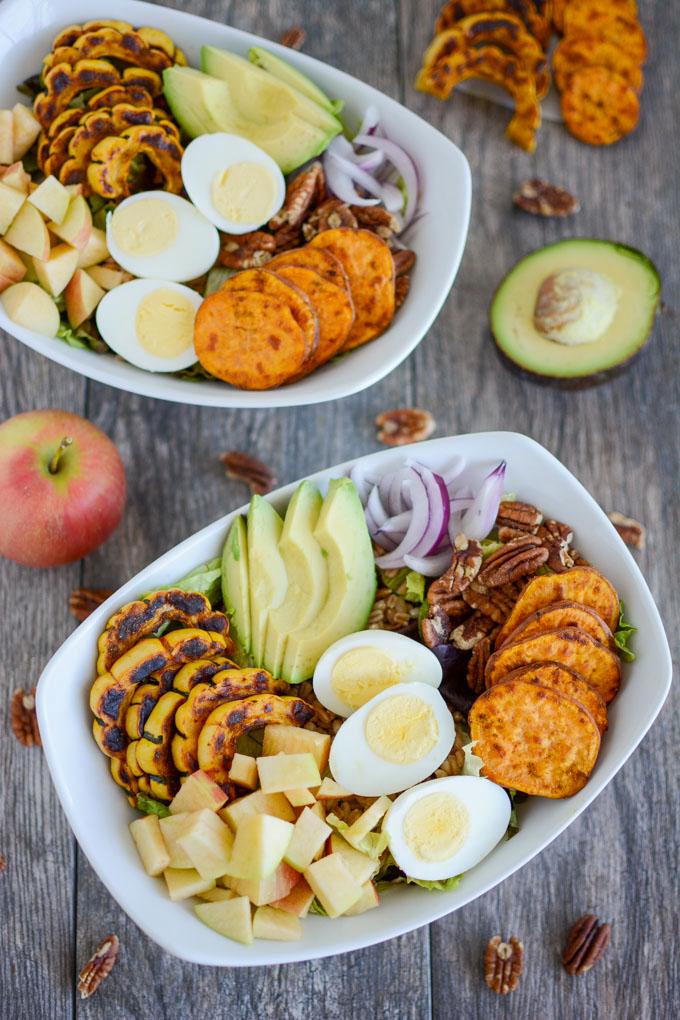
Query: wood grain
{"type": "Point", "coordinates": [621, 440]}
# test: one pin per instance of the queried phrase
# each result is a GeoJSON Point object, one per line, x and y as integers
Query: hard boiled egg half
{"type": "Point", "coordinates": [359, 666]}
{"type": "Point", "coordinates": [234, 183]}
{"type": "Point", "coordinates": [150, 323]}
{"type": "Point", "coordinates": [394, 741]}
{"type": "Point", "coordinates": [160, 235]}
{"type": "Point", "coordinates": [445, 827]}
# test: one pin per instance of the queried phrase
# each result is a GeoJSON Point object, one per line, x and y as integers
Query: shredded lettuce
{"type": "Point", "coordinates": [489, 545]}
{"type": "Point", "coordinates": [472, 766]}
{"type": "Point", "coordinates": [84, 336]}
{"type": "Point", "coordinates": [151, 807]}
{"type": "Point", "coordinates": [444, 885]}
{"type": "Point", "coordinates": [71, 337]}
{"type": "Point", "coordinates": [390, 874]}
{"type": "Point", "coordinates": [415, 587]}
{"type": "Point", "coordinates": [316, 908]}
{"type": "Point", "coordinates": [623, 634]}
{"type": "Point", "coordinates": [216, 277]}
{"type": "Point", "coordinates": [513, 825]}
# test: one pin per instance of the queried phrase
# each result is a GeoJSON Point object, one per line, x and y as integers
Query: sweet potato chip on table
{"type": "Point", "coordinates": [534, 739]}
{"type": "Point", "coordinates": [563, 614]}
{"type": "Point", "coordinates": [333, 309]}
{"type": "Point", "coordinates": [599, 107]}
{"type": "Point", "coordinates": [566, 681]}
{"type": "Point", "coordinates": [598, 18]}
{"type": "Point", "coordinates": [577, 52]}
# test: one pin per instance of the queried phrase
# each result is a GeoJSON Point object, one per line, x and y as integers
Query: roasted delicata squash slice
{"type": "Point", "coordinates": [63, 82]}
{"type": "Point", "coordinates": [135, 95]}
{"type": "Point", "coordinates": [131, 759]}
{"type": "Point", "coordinates": [54, 152]}
{"type": "Point", "coordinates": [200, 671]}
{"type": "Point", "coordinates": [228, 723]}
{"type": "Point", "coordinates": [127, 46]}
{"type": "Point", "coordinates": [125, 779]}
{"type": "Point", "coordinates": [531, 14]}
{"type": "Point", "coordinates": [228, 685]}
{"type": "Point", "coordinates": [110, 172]}
{"type": "Point", "coordinates": [564, 614]}
{"type": "Point", "coordinates": [154, 754]}
{"type": "Point", "coordinates": [143, 77]}
{"type": "Point", "coordinates": [139, 619]}
{"type": "Point", "coordinates": [143, 699]}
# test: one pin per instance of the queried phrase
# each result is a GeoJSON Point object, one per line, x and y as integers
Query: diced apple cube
{"type": "Point", "coordinates": [261, 841]}
{"type": "Point", "coordinates": [281, 739]}
{"type": "Point", "coordinates": [270, 923]}
{"type": "Point", "coordinates": [300, 798]}
{"type": "Point", "coordinates": [25, 130]}
{"type": "Point", "coordinates": [15, 176]}
{"type": "Point", "coordinates": [318, 809]}
{"type": "Point", "coordinates": [231, 918]}
{"type": "Point", "coordinates": [95, 251]}
{"type": "Point", "coordinates": [82, 295]}
{"type": "Point", "coordinates": [281, 772]}
{"type": "Point", "coordinates": [30, 306]}
{"type": "Point", "coordinates": [196, 792]}
{"type": "Point", "coordinates": [74, 190]}
{"type": "Point", "coordinates": [369, 898]}
{"type": "Point", "coordinates": [11, 202]}
{"type": "Point", "coordinates": [185, 883]}
{"type": "Point", "coordinates": [275, 887]}
{"type": "Point", "coordinates": [207, 842]}
{"type": "Point", "coordinates": [55, 273]}
{"type": "Point", "coordinates": [109, 276]}
{"type": "Point", "coordinates": [298, 901]}
{"type": "Point", "coordinates": [146, 832]}
{"type": "Point", "coordinates": [330, 790]}
{"type": "Point", "coordinates": [360, 865]}
{"type": "Point", "coordinates": [27, 232]}
{"type": "Point", "coordinates": [333, 883]}
{"type": "Point", "coordinates": [258, 803]}
{"type": "Point", "coordinates": [216, 894]}
{"type": "Point", "coordinates": [309, 836]}
{"type": "Point", "coordinates": [243, 771]}
{"type": "Point", "coordinates": [6, 136]}
{"type": "Point", "coordinates": [173, 828]}
{"type": "Point", "coordinates": [51, 199]}
{"type": "Point", "coordinates": [76, 226]}
{"type": "Point", "coordinates": [366, 822]}
{"type": "Point", "coordinates": [12, 267]}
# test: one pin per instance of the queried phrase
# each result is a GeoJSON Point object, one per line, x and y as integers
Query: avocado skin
{"type": "Point", "coordinates": [590, 379]}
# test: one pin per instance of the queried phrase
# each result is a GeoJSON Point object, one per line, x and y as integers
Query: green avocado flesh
{"type": "Point", "coordinates": [512, 309]}
{"type": "Point", "coordinates": [236, 584]}
{"type": "Point", "coordinates": [291, 76]}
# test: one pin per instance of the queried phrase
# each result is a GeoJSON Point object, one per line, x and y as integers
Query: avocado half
{"type": "Point", "coordinates": [524, 349]}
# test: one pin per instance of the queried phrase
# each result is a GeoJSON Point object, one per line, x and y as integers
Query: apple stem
{"type": "Point", "coordinates": [63, 445]}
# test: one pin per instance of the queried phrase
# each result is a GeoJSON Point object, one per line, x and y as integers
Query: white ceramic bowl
{"type": "Point", "coordinates": [99, 813]}
{"type": "Point", "coordinates": [438, 236]}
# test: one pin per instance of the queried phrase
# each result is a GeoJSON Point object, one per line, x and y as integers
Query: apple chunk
{"type": "Point", "coordinates": [183, 884]}
{"type": "Point", "coordinates": [216, 894]}
{"type": "Point", "coordinates": [231, 918]}
{"type": "Point", "coordinates": [146, 832]}
{"type": "Point", "coordinates": [207, 842]}
{"type": "Point", "coordinates": [28, 233]}
{"type": "Point", "coordinates": [367, 901]}
{"type": "Point", "coordinates": [6, 136]}
{"type": "Point", "coordinates": [298, 901]}
{"type": "Point", "coordinates": [360, 865]}
{"type": "Point", "coordinates": [270, 923]}
{"type": "Point", "coordinates": [15, 176]}
{"type": "Point", "coordinates": [281, 772]}
{"type": "Point", "coordinates": [12, 267]}
{"type": "Point", "coordinates": [261, 841]}
{"type": "Point", "coordinates": [367, 821]}
{"type": "Point", "coordinates": [173, 828]}
{"type": "Point", "coordinates": [109, 276]}
{"type": "Point", "coordinates": [276, 886]}
{"type": "Point", "coordinates": [280, 739]}
{"type": "Point", "coordinates": [330, 790]}
{"type": "Point", "coordinates": [55, 273]}
{"type": "Point", "coordinates": [29, 306]}
{"type": "Point", "coordinates": [333, 883]}
{"type": "Point", "coordinates": [95, 251]}
{"type": "Point", "coordinates": [11, 202]}
{"type": "Point", "coordinates": [82, 295]}
{"type": "Point", "coordinates": [243, 771]}
{"type": "Point", "coordinates": [196, 792]}
{"type": "Point", "coordinates": [257, 803]}
{"type": "Point", "coordinates": [309, 836]}
{"type": "Point", "coordinates": [25, 130]}
{"type": "Point", "coordinates": [76, 226]}
{"type": "Point", "coordinates": [51, 199]}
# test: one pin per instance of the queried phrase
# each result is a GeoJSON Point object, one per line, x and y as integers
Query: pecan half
{"type": "Point", "coordinates": [294, 37]}
{"type": "Point", "coordinates": [518, 558]}
{"type": "Point", "coordinates": [630, 530]}
{"type": "Point", "coordinates": [521, 516]}
{"type": "Point", "coordinates": [250, 470]}
{"type": "Point", "coordinates": [506, 533]}
{"type": "Point", "coordinates": [328, 216]}
{"type": "Point", "coordinates": [98, 967]}
{"type": "Point", "coordinates": [465, 565]}
{"type": "Point", "coordinates": [556, 537]}
{"type": "Point", "coordinates": [404, 261]}
{"type": "Point", "coordinates": [503, 964]}
{"type": "Point", "coordinates": [403, 425]}
{"type": "Point", "coordinates": [377, 219]}
{"type": "Point", "coordinates": [303, 191]}
{"type": "Point", "coordinates": [247, 251]}
{"type": "Point", "coordinates": [476, 667]}
{"type": "Point", "coordinates": [83, 601]}
{"type": "Point", "coordinates": [402, 285]}
{"type": "Point", "coordinates": [497, 603]}
{"type": "Point", "coordinates": [542, 199]}
{"type": "Point", "coordinates": [3, 862]}
{"type": "Point", "coordinates": [287, 238]}
{"type": "Point", "coordinates": [469, 633]}
{"type": "Point", "coordinates": [23, 719]}
{"type": "Point", "coordinates": [586, 943]}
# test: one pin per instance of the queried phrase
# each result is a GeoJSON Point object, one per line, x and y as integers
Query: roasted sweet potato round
{"type": "Point", "coordinates": [578, 51]}
{"type": "Point", "coordinates": [599, 107]}
{"type": "Point", "coordinates": [318, 259]}
{"type": "Point", "coordinates": [259, 281]}
{"type": "Point", "coordinates": [564, 614]}
{"type": "Point", "coordinates": [567, 681]}
{"type": "Point", "coordinates": [602, 19]}
{"type": "Point", "coordinates": [333, 308]}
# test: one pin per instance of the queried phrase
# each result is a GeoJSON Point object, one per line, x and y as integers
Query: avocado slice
{"type": "Point", "coordinates": [285, 72]}
{"type": "Point", "coordinates": [346, 544]}
{"type": "Point", "coordinates": [267, 571]}
{"type": "Point", "coordinates": [236, 583]}
{"type": "Point", "coordinates": [307, 575]}
{"type": "Point", "coordinates": [623, 270]}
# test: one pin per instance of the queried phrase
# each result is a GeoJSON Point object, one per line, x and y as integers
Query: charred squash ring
{"type": "Point", "coordinates": [135, 95]}
{"type": "Point", "coordinates": [141, 705]}
{"type": "Point", "coordinates": [64, 82]}
{"type": "Point", "coordinates": [144, 78]}
{"type": "Point", "coordinates": [228, 685]}
{"type": "Point", "coordinates": [125, 779]}
{"type": "Point", "coordinates": [200, 671]}
{"type": "Point", "coordinates": [536, 22]}
{"type": "Point", "coordinates": [138, 619]}
{"type": "Point", "coordinates": [110, 43]}
{"type": "Point", "coordinates": [226, 724]}
{"type": "Point", "coordinates": [109, 172]}
{"type": "Point", "coordinates": [154, 754]}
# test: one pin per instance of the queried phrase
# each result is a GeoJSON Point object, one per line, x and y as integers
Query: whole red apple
{"type": "Point", "coordinates": [62, 488]}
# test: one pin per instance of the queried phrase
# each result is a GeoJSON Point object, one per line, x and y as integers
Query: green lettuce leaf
{"type": "Point", "coordinates": [415, 587]}
{"type": "Point", "coordinates": [205, 579]}
{"type": "Point", "coordinates": [373, 844]}
{"type": "Point", "coordinates": [71, 337]}
{"type": "Point", "coordinates": [151, 807]}
{"type": "Point", "coordinates": [444, 885]}
{"type": "Point", "coordinates": [623, 634]}
{"type": "Point", "coordinates": [489, 545]}
{"type": "Point", "coordinates": [316, 908]}
{"type": "Point", "coordinates": [84, 336]}
{"type": "Point", "coordinates": [390, 874]}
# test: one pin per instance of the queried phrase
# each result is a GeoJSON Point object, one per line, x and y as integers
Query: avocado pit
{"type": "Point", "coordinates": [575, 306]}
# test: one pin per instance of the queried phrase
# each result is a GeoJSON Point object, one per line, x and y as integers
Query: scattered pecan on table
{"type": "Point", "coordinates": [403, 425]}
{"type": "Point", "coordinates": [3, 863]}
{"type": "Point", "coordinates": [540, 198]}
{"type": "Point", "coordinates": [83, 601]}
{"type": "Point", "coordinates": [630, 530]}
{"type": "Point", "coordinates": [294, 37]}
{"type": "Point", "coordinates": [23, 719]}
{"type": "Point", "coordinates": [99, 966]}
{"type": "Point", "coordinates": [586, 944]}
{"type": "Point", "coordinates": [245, 468]}
{"type": "Point", "coordinates": [503, 964]}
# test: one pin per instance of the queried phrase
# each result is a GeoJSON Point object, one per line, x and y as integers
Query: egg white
{"type": "Point", "coordinates": [191, 254]}
{"type": "Point", "coordinates": [488, 808]}
{"type": "Point", "coordinates": [115, 317]}
{"type": "Point", "coordinates": [416, 663]}
{"type": "Point", "coordinates": [209, 155]}
{"type": "Point", "coordinates": [359, 769]}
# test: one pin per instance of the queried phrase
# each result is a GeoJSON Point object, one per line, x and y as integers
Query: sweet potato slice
{"type": "Point", "coordinates": [575, 52]}
{"type": "Point", "coordinates": [261, 282]}
{"type": "Point", "coordinates": [566, 681]}
{"type": "Point", "coordinates": [599, 18]}
{"type": "Point", "coordinates": [570, 647]}
{"type": "Point", "coordinates": [250, 340]}
{"type": "Point", "coordinates": [599, 107]}
{"type": "Point", "coordinates": [369, 265]}
{"type": "Point", "coordinates": [564, 614]}
{"type": "Point", "coordinates": [534, 739]}
{"type": "Point", "coordinates": [333, 308]}
{"type": "Point", "coordinates": [318, 259]}
{"type": "Point", "coordinates": [580, 584]}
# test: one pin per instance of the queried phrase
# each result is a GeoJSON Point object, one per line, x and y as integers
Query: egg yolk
{"type": "Point", "coordinates": [244, 193]}
{"type": "Point", "coordinates": [401, 729]}
{"type": "Point", "coordinates": [145, 228]}
{"type": "Point", "coordinates": [361, 673]}
{"type": "Point", "coordinates": [436, 827]}
{"type": "Point", "coordinates": [164, 323]}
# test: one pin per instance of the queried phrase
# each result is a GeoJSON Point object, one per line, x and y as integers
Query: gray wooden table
{"type": "Point", "coordinates": [622, 440]}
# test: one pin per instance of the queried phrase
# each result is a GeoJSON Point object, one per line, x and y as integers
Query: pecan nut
{"type": "Point", "coordinates": [294, 37]}
{"type": "Point", "coordinates": [476, 667]}
{"type": "Point", "coordinates": [522, 517]}
{"type": "Point", "coordinates": [403, 425]}
{"type": "Point", "coordinates": [436, 627]}
{"type": "Point", "coordinates": [630, 530]}
{"type": "Point", "coordinates": [247, 251]}
{"type": "Point", "coordinates": [503, 964]}
{"type": "Point", "coordinates": [23, 718]}
{"type": "Point", "coordinates": [497, 603]}
{"type": "Point", "coordinates": [556, 537]}
{"type": "Point", "coordinates": [83, 601]}
{"type": "Point", "coordinates": [470, 632]}
{"type": "Point", "coordinates": [3, 862]}
{"type": "Point", "coordinates": [466, 562]}
{"type": "Point", "coordinates": [245, 468]}
{"type": "Point", "coordinates": [404, 261]}
{"type": "Point", "coordinates": [377, 219]}
{"type": "Point", "coordinates": [330, 215]}
{"type": "Point", "coordinates": [586, 944]}
{"type": "Point", "coordinates": [287, 238]}
{"type": "Point", "coordinates": [98, 967]}
{"type": "Point", "coordinates": [518, 558]}
{"type": "Point", "coordinates": [301, 194]}
{"type": "Point", "coordinates": [402, 285]}
{"type": "Point", "coordinates": [540, 198]}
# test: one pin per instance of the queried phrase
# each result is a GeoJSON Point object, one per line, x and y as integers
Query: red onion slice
{"type": "Point", "coordinates": [370, 122]}
{"type": "Point", "coordinates": [402, 163]}
{"type": "Point", "coordinates": [430, 566]}
{"type": "Point", "coordinates": [341, 185]}
{"type": "Point", "coordinates": [439, 512]}
{"type": "Point", "coordinates": [480, 517]}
